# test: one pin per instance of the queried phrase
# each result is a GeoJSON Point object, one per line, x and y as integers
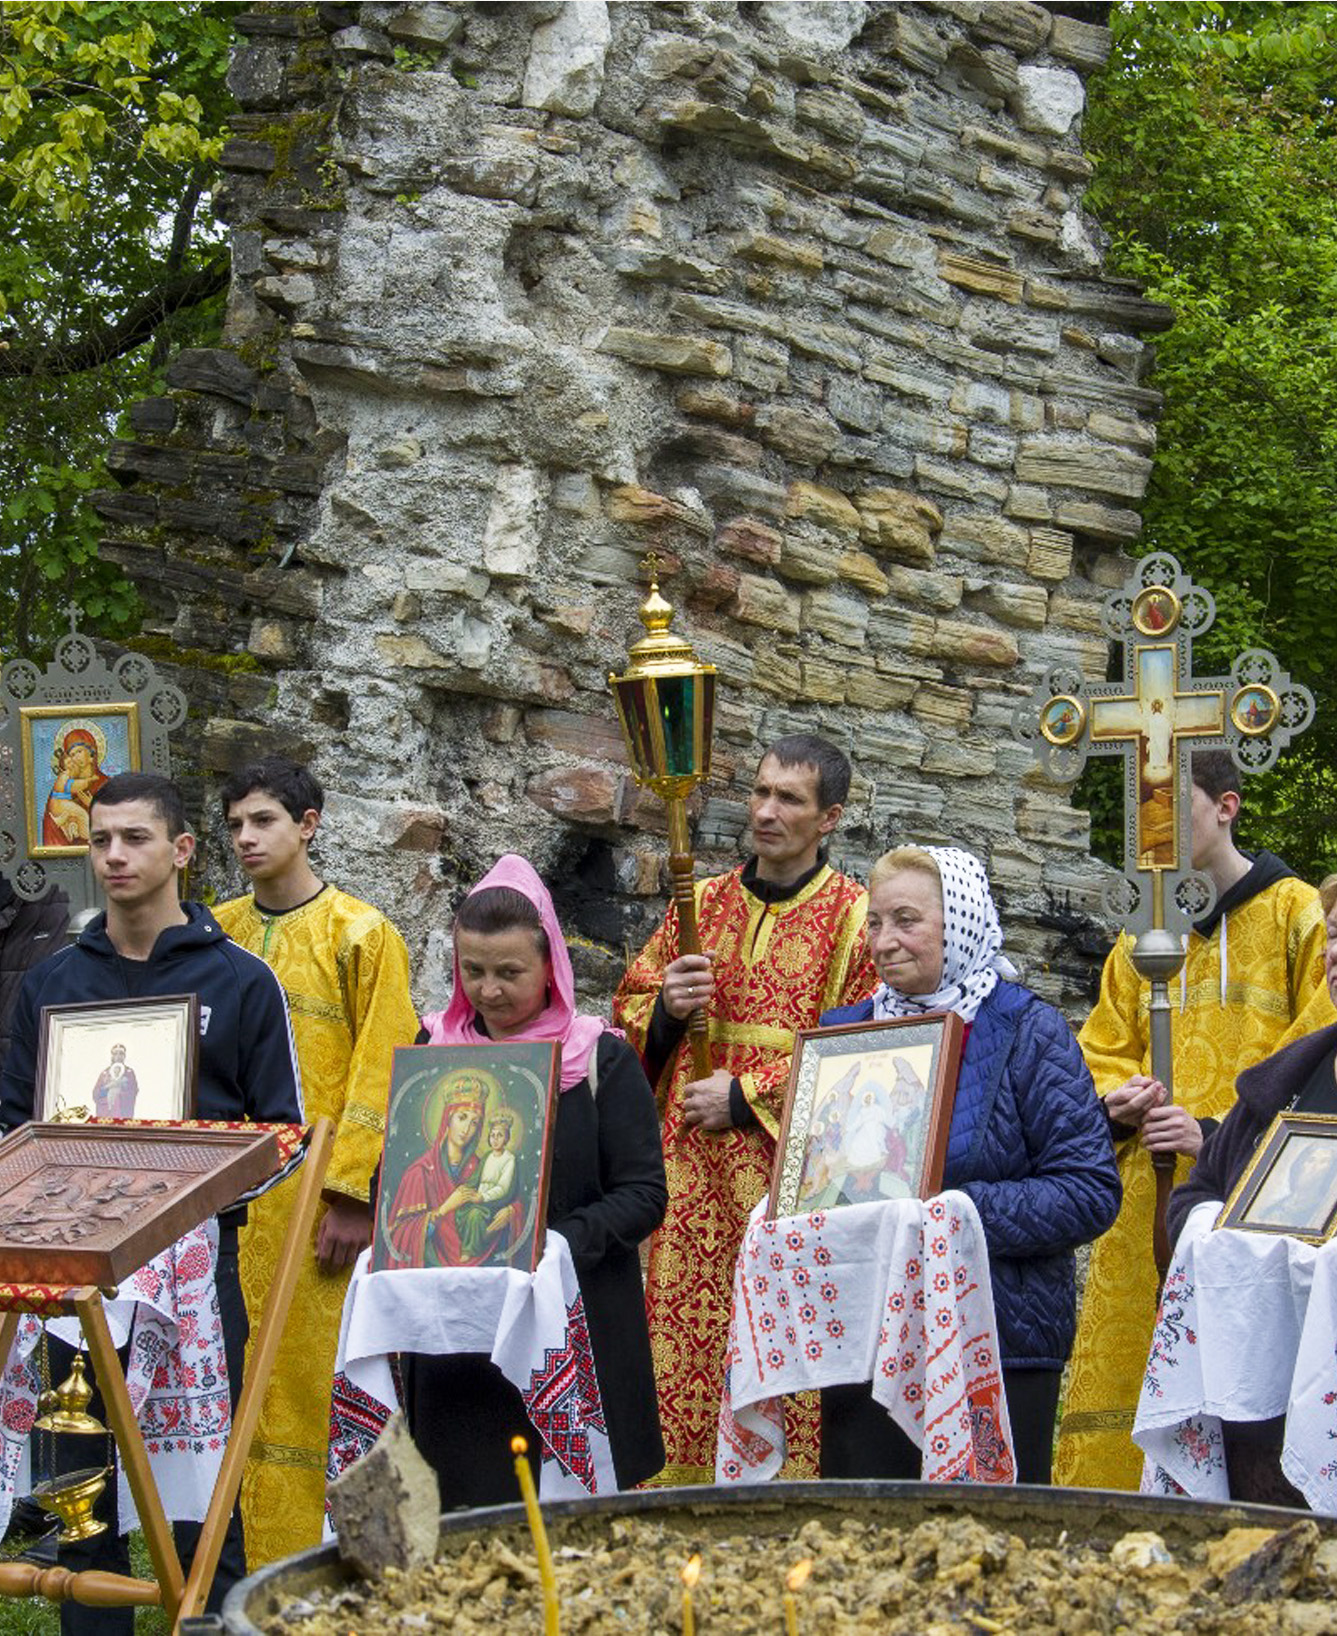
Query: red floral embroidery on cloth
{"type": "Point", "coordinates": [1246, 1328]}
{"type": "Point", "coordinates": [540, 1343]}
{"type": "Point", "coordinates": [357, 1419]}
{"type": "Point", "coordinates": [562, 1398]}
{"type": "Point", "coordinates": [904, 1282]}
{"type": "Point", "coordinates": [176, 1374]}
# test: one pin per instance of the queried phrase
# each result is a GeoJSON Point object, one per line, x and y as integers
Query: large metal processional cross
{"type": "Point", "coordinates": [1155, 718]}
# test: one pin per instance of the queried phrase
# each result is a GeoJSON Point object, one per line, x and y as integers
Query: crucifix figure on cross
{"type": "Point", "coordinates": [1157, 723]}
{"type": "Point", "coordinates": [1155, 717]}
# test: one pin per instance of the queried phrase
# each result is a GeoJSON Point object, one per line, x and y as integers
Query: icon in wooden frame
{"type": "Point", "coordinates": [1290, 1185]}
{"type": "Point", "coordinates": [118, 1059]}
{"type": "Point", "coordinates": [69, 753]}
{"type": "Point", "coordinates": [866, 1114]}
{"type": "Point", "coordinates": [468, 1149]}
{"type": "Point", "coordinates": [89, 1204]}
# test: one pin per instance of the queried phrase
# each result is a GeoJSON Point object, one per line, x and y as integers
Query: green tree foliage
{"type": "Point", "coordinates": [111, 120]}
{"type": "Point", "coordinates": [1212, 129]}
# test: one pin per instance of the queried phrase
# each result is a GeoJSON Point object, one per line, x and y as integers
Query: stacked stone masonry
{"type": "Point", "coordinates": [801, 296]}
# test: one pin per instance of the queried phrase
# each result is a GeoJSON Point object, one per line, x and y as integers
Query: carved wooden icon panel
{"type": "Point", "coordinates": [90, 1204]}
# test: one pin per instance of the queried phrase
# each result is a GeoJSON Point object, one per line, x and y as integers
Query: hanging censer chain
{"type": "Point", "coordinates": [47, 1404]}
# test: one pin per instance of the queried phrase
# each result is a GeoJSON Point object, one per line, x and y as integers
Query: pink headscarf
{"type": "Point", "coordinates": [559, 1020]}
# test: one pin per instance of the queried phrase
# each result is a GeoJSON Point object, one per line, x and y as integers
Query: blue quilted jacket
{"type": "Point", "coordinates": [1030, 1144]}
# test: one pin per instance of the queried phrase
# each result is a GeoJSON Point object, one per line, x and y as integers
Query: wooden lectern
{"type": "Point", "coordinates": [83, 1206]}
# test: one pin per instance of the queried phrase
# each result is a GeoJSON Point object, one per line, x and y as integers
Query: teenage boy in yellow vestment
{"type": "Point", "coordinates": [1252, 981]}
{"type": "Point", "coordinates": [785, 941]}
{"type": "Point", "coordinates": [345, 971]}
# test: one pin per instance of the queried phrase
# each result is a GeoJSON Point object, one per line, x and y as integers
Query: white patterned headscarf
{"type": "Point", "coordinates": [971, 938]}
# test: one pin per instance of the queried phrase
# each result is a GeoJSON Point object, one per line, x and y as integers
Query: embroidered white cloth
{"type": "Point", "coordinates": [896, 1292]}
{"type": "Point", "coordinates": [1247, 1329]}
{"type": "Point", "coordinates": [176, 1374]}
{"type": "Point", "coordinates": [534, 1329]}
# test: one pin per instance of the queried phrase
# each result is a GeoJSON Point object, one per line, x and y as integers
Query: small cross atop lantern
{"type": "Point", "coordinates": [1155, 718]}
{"type": "Point", "coordinates": [666, 704]}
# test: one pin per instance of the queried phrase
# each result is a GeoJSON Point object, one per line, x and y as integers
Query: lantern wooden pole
{"type": "Point", "coordinates": [682, 868]}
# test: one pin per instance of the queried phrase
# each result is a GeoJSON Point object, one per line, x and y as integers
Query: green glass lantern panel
{"type": "Point", "coordinates": [677, 714]}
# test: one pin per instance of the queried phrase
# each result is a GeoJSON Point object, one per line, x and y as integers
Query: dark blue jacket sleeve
{"type": "Point", "coordinates": [267, 1069]}
{"type": "Point", "coordinates": [1073, 1192]}
{"type": "Point", "coordinates": [860, 1011]}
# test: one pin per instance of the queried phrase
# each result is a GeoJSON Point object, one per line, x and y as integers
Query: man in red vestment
{"type": "Point", "coordinates": [784, 935]}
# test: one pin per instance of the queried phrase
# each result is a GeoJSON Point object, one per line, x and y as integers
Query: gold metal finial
{"type": "Point", "coordinates": [72, 1396]}
{"type": "Point", "coordinates": [659, 652]}
{"type": "Point", "coordinates": [656, 611]}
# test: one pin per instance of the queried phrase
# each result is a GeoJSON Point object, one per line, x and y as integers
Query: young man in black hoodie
{"type": "Point", "coordinates": [149, 942]}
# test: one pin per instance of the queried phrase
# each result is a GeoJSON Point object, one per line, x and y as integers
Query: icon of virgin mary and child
{"type": "Point", "coordinates": [458, 1204]}
{"type": "Point", "coordinates": [77, 775]}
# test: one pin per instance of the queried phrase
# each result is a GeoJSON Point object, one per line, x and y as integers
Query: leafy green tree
{"type": "Point", "coordinates": [1212, 129]}
{"type": "Point", "coordinates": [111, 120]}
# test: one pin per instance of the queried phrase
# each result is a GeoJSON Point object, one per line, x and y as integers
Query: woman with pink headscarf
{"type": "Point", "coordinates": [606, 1193]}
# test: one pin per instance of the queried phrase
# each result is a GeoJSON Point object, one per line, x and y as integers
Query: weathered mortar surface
{"type": "Point", "coordinates": [800, 296]}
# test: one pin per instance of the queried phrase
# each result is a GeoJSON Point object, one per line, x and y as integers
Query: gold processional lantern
{"type": "Point", "coordinates": [666, 703]}
{"type": "Point", "coordinates": [71, 1496]}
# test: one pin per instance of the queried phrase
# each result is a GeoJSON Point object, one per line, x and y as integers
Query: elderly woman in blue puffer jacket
{"type": "Point", "coordinates": [1029, 1144]}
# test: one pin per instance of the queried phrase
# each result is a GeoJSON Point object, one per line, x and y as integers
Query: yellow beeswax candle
{"type": "Point", "coordinates": [691, 1572]}
{"type": "Point", "coordinates": [795, 1580]}
{"type": "Point", "coordinates": [548, 1576]}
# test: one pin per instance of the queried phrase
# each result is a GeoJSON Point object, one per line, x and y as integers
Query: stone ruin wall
{"type": "Point", "coordinates": [801, 296]}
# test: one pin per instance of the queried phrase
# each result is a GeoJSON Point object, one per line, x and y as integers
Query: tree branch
{"type": "Point", "coordinates": [176, 254]}
{"type": "Point", "coordinates": [135, 326]}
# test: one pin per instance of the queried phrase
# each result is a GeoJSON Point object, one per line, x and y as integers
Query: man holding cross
{"type": "Point", "coordinates": [1252, 981]}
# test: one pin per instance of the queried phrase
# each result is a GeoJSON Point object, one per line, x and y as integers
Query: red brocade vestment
{"type": "Point", "coordinates": [777, 967]}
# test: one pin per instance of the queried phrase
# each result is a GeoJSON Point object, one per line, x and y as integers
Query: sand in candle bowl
{"type": "Point", "coordinates": [945, 1573]}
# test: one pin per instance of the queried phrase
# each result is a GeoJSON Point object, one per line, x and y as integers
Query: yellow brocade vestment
{"type": "Point", "coordinates": [1274, 992]}
{"type": "Point", "coordinates": [777, 968]}
{"type": "Point", "coordinates": [345, 971]}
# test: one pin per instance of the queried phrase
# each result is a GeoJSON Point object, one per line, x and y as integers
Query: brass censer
{"type": "Point", "coordinates": [71, 1496]}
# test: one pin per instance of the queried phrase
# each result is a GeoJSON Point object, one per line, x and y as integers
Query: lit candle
{"type": "Point", "coordinates": [795, 1580]}
{"type": "Point", "coordinates": [691, 1572]}
{"type": "Point", "coordinates": [520, 1449]}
